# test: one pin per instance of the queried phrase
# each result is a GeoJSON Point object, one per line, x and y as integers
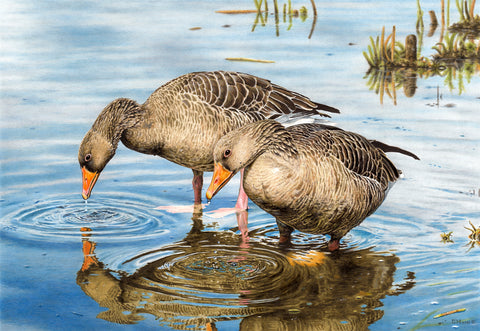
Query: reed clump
{"type": "Point", "coordinates": [461, 42]}
{"type": "Point", "coordinates": [456, 56]}
{"type": "Point", "coordinates": [457, 47]}
{"type": "Point", "coordinates": [469, 23]}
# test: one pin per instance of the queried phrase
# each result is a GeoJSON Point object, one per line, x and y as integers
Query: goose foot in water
{"type": "Point", "coordinates": [285, 233]}
{"type": "Point", "coordinates": [333, 245]}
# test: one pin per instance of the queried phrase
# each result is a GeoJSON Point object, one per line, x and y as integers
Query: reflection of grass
{"type": "Point", "coordinates": [289, 14]}
{"type": "Point", "coordinates": [382, 82]}
{"type": "Point", "coordinates": [386, 82]}
{"type": "Point", "coordinates": [419, 325]}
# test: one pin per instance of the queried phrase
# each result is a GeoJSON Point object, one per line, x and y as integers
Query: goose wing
{"type": "Point", "coordinates": [354, 151]}
{"type": "Point", "coordinates": [247, 93]}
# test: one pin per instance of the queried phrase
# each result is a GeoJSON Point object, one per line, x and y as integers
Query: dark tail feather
{"type": "Point", "coordinates": [327, 108]}
{"type": "Point", "coordinates": [387, 148]}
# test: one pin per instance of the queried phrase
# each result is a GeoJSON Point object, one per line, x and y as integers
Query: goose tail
{"type": "Point", "coordinates": [393, 149]}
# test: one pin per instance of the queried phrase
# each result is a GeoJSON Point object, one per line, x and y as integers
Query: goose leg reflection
{"type": "Point", "coordinates": [240, 210]}
{"type": "Point", "coordinates": [242, 221]}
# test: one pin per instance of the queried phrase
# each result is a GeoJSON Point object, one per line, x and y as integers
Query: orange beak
{"type": "Point", "coordinates": [89, 179]}
{"type": "Point", "coordinates": [221, 176]}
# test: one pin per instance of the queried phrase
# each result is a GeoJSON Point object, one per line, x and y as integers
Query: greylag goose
{"type": "Point", "coordinates": [311, 177]}
{"type": "Point", "coordinates": [183, 119]}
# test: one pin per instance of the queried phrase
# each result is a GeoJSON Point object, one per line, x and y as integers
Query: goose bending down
{"type": "Point", "coordinates": [182, 120]}
{"type": "Point", "coordinates": [310, 177]}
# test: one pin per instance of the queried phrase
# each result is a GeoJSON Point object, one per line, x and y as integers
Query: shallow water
{"type": "Point", "coordinates": [120, 262]}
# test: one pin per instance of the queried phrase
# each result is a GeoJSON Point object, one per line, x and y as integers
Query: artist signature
{"type": "Point", "coordinates": [457, 322]}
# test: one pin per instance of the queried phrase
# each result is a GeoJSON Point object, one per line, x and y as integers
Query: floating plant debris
{"type": "Point", "coordinates": [450, 312]}
{"type": "Point", "coordinates": [246, 59]}
{"type": "Point", "coordinates": [233, 12]}
{"type": "Point", "coordinates": [447, 237]}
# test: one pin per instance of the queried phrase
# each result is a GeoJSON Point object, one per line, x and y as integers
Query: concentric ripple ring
{"type": "Point", "coordinates": [224, 275]}
{"type": "Point", "coordinates": [112, 219]}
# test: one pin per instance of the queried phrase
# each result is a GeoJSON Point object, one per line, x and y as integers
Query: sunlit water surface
{"type": "Point", "coordinates": [118, 261]}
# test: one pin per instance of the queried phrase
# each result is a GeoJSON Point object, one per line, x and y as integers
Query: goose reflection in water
{"type": "Point", "coordinates": [214, 276]}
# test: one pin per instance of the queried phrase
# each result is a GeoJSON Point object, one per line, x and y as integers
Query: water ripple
{"type": "Point", "coordinates": [218, 274]}
{"type": "Point", "coordinates": [214, 276]}
{"type": "Point", "coordinates": [109, 218]}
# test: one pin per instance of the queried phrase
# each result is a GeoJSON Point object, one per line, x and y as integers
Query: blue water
{"type": "Point", "coordinates": [118, 262]}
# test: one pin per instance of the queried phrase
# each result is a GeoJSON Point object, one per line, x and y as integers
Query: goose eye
{"type": "Point", "coordinates": [88, 157]}
{"type": "Point", "coordinates": [227, 153]}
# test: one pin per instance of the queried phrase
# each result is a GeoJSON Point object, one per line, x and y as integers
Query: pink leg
{"type": "Point", "coordinates": [242, 200]}
{"type": "Point", "coordinates": [197, 184]}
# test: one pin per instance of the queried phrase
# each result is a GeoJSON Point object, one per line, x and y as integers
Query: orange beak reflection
{"type": "Point", "coordinates": [88, 179]}
{"type": "Point", "coordinates": [221, 176]}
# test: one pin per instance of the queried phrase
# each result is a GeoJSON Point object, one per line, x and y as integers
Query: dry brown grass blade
{"type": "Point", "coordinates": [382, 43]}
{"type": "Point", "coordinates": [393, 44]}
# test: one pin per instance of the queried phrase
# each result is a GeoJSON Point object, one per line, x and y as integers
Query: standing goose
{"type": "Point", "coordinates": [310, 177]}
{"type": "Point", "coordinates": [183, 119]}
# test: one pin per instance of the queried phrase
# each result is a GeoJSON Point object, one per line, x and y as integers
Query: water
{"type": "Point", "coordinates": [119, 262]}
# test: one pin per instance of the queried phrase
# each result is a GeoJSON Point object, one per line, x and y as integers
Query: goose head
{"type": "Point", "coordinates": [101, 141]}
{"type": "Point", "coordinates": [94, 154]}
{"type": "Point", "coordinates": [238, 149]}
